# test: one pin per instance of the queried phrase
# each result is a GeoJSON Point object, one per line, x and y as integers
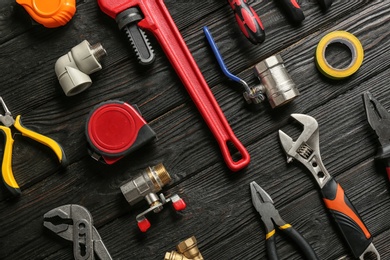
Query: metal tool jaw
{"type": "Point", "coordinates": [306, 148]}
{"type": "Point", "coordinates": [265, 206]}
{"type": "Point", "coordinates": [74, 223]}
{"type": "Point", "coordinates": [7, 118]}
{"type": "Point", "coordinates": [379, 119]}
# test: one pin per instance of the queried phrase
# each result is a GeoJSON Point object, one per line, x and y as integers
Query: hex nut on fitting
{"type": "Point", "coordinates": [73, 68]}
{"type": "Point", "coordinates": [150, 180]}
{"type": "Point", "coordinates": [174, 256]}
{"type": "Point", "coordinates": [279, 87]}
{"type": "Point", "coordinates": [189, 248]}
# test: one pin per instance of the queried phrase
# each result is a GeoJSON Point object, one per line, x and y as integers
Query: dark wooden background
{"type": "Point", "coordinates": [220, 212]}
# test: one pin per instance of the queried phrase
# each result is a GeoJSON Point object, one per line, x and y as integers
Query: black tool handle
{"type": "Point", "coordinates": [301, 242]}
{"type": "Point", "coordinates": [248, 21]}
{"type": "Point", "coordinates": [292, 10]}
{"type": "Point", "coordinates": [325, 4]}
{"type": "Point", "coordinates": [271, 247]}
{"type": "Point", "coordinates": [348, 220]}
{"type": "Point", "coordinates": [384, 156]}
{"type": "Point", "coordinates": [296, 237]}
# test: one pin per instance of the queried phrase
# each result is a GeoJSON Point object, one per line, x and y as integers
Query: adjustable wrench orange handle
{"type": "Point", "coordinates": [158, 20]}
{"type": "Point", "coordinates": [347, 218]}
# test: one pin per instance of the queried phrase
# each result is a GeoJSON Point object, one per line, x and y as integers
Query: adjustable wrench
{"type": "Point", "coordinates": [155, 18]}
{"type": "Point", "coordinates": [306, 150]}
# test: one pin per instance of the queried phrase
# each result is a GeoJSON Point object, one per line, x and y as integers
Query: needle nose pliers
{"type": "Point", "coordinates": [379, 119]}
{"type": "Point", "coordinates": [270, 215]}
{"type": "Point", "coordinates": [6, 168]}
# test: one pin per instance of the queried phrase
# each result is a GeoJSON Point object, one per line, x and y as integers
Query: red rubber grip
{"type": "Point", "coordinates": [144, 225]}
{"type": "Point", "coordinates": [388, 172]}
{"type": "Point", "coordinates": [248, 21]}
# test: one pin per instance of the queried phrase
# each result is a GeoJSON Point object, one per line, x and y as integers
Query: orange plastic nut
{"type": "Point", "coordinates": [50, 13]}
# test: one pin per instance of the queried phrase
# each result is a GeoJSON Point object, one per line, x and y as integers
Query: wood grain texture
{"type": "Point", "coordinates": [219, 213]}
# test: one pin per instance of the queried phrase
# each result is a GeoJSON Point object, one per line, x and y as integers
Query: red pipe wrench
{"type": "Point", "coordinates": [157, 19]}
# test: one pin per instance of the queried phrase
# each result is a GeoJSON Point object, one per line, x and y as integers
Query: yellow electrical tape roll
{"type": "Point", "coordinates": [351, 42]}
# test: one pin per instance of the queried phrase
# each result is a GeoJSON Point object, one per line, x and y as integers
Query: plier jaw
{"type": "Point", "coordinates": [74, 223]}
{"type": "Point", "coordinates": [270, 215]}
{"type": "Point", "coordinates": [7, 118]}
{"type": "Point", "coordinates": [6, 167]}
{"type": "Point", "coordinates": [379, 119]}
{"type": "Point", "coordinates": [265, 206]}
{"type": "Point", "coordinates": [61, 219]}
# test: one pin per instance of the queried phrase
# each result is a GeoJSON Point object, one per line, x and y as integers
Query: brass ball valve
{"type": "Point", "coordinates": [145, 185]}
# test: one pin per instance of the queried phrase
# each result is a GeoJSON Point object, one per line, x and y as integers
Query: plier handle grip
{"type": "Point", "coordinates": [270, 216]}
{"type": "Point", "coordinates": [6, 168]}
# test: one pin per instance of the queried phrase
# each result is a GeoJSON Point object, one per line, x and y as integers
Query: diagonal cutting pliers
{"type": "Point", "coordinates": [6, 168]}
{"type": "Point", "coordinates": [74, 223]}
{"type": "Point", "coordinates": [270, 215]}
{"type": "Point", "coordinates": [379, 119]}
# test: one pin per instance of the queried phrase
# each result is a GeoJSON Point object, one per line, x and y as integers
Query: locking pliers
{"type": "Point", "coordinates": [307, 151]}
{"type": "Point", "coordinates": [74, 223]}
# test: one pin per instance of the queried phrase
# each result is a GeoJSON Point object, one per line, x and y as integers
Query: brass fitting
{"type": "Point", "coordinates": [275, 81]}
{"type": "Point", "coordinates": [145, 185]}
{"type": "Point", "coordinates": [174, 256]}
{"type": "Point", "coordinates": [187, 249]}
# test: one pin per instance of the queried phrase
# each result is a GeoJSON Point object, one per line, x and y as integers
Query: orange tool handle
{"type": "Point", "coordinates": [348, 220]}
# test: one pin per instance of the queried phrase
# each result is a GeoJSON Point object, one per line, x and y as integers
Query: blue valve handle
{"type": "Point", "coordinates": [221, 63]}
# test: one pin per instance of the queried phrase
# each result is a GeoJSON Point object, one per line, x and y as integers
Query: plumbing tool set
{"type": "Point", "coordinates": [114, 129]}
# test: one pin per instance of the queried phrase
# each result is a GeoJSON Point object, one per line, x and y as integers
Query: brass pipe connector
{"type": "Point", "coordinates": [187, 249]}
{"type": "Point", "coordinates": [145, 185]}
{"type": "Point", "coordinates": [174, 256]}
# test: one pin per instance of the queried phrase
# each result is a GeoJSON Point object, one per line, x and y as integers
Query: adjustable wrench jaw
{"type": "Point", "coordinates": [306, 148]}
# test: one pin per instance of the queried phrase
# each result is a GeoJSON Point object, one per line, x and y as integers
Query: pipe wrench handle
{"type": "Point", "coordinates": [347, 219]}
{"type": "Point", "coordinates": [158, 20]}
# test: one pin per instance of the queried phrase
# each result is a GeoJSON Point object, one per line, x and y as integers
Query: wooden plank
{"type": "Point", "coordinates": [219, 211]}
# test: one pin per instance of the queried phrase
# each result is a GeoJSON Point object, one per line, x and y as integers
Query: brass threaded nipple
{"type": "Point", "coordinates": [162, 173]}
{"type": "Point", "coordinates": [98, 51]}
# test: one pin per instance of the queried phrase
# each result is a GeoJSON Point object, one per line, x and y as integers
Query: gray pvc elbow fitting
{"type": "Point", "coordinates": [73, 68]}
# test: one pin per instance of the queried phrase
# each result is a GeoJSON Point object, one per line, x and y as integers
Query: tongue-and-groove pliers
{"type": "Point", "coordinates": [74, 223]}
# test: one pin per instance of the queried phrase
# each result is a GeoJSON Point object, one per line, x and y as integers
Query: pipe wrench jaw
{"type": "Point", "coordinates": [306, 148]}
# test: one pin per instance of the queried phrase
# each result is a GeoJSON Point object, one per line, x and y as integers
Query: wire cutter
{"type": "Point", "coordinates": [270, 215]}
{"type": "Point", "coordinates": [6, 168]}
{"type": "Point", "coordinates": [74, 223]}
{"type": "Point", "coordinates": [306, 150]}
{"type": "Point", "coordinates": [379, 119]}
